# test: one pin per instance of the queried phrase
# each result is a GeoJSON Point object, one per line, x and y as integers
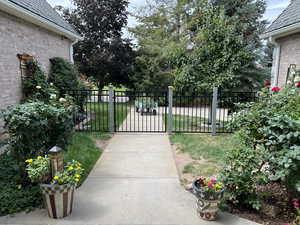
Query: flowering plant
{"type": "Point", "coordinates": [39, 172]}
{"type": "Point", "coordinates": [210, 185]}
{"type": "Point", "coordinates": [276, 89]}
{"type": "Point", "coordinates": [38, 169]}
{"type": "Point", "coordinates": [71, 174]}
{"type": "Point", "coordinates": [296, 205]}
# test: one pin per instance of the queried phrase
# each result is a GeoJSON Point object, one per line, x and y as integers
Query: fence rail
{"type": "Point", "coordinates": [156, 111]}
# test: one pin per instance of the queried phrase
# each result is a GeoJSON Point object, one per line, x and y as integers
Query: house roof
{"type": "Point", "coordinates": [40, 10]}
{"type": "Point", "coordinates": [287, 20]}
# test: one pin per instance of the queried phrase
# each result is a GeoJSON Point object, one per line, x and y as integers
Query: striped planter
{"type": "Point", "coordinates": [58, 199]}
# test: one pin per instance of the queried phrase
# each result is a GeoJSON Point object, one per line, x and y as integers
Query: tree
{"type": "Point", "coordinates": [159, 39]}
{"type": "Point", "coordinates": [217, 52]}
{"type": "Point", "coordinates": [103, 54]}
{"type": "Point", "coordinates": [247, 16]}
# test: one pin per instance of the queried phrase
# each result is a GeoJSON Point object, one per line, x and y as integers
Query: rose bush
{"type": "Point", "coordinates": [270, 132]}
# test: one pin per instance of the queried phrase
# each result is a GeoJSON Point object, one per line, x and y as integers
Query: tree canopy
{"type": "Point", "coordinates": [199, 44]}
{"type": "Point", "coordinates": [103, 54]}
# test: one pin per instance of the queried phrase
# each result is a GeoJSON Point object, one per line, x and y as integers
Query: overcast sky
{"type": "Point", "coordinates": [274, 7]}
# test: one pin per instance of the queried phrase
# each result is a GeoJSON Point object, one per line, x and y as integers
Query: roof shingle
{"type": "Point", "coordinates": [43, 9]}
{"type": "Point", "coordinates": [288, 17]}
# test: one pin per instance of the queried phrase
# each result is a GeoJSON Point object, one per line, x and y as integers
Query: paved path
{"type": "Point", "coordinates": [136, 183]}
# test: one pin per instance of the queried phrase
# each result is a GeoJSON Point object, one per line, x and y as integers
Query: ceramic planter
{"type": "Point", "coordinates": [58, 199]}
{"type": "Point", "coordinates": [207, 203]}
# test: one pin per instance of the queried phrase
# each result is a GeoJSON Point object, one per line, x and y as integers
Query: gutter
{"type": "Point", "coordinates": [37, 20]}
{"type": "Point", "coordinates": [72, 51]}
{"type": "Point", "coordinates": [276, 60]}
{"type": "Point", "coordinates": [294, 28]}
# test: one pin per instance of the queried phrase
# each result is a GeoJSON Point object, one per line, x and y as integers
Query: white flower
{"type": "Point", "coordinates": [38, 87]}
{"type": "Point", "coordinates": [51, 84]}
{"type": "Point", "coordinates": [53, 96]}
{"type": "Point", "coordinates": [62, 100]}
{"type": "Point", "coordinates": [289, 82]}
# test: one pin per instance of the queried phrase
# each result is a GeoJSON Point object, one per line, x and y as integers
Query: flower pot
{"type": "Point", "coordinates": [207, 203]}
{"type": "Point", "coordinates": [58, 199]}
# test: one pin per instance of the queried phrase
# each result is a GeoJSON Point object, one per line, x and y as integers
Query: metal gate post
{"type": "Point", "coordinates": [111, 110]}
{"type": "Point", "coordinates": [170, 111]}
{"type": "Point", "coordinates": [214, 112]}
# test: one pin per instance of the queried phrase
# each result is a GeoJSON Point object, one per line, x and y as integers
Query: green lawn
{"type": "Point", "coordinates": [100, 121]}
{"type": "Point", "coordinates": [83, 149]}
{"type": "Point", "coordinates": [184, 123]}
{"type": "Point", "coordinates": [207, 152]}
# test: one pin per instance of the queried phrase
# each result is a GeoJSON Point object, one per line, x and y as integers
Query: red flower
{"type": "Point", "coordinates": [276, 89]}
{"type": "Point", "coordinates": [298, 85]}
{"type": "Point", "coordinates": [201, 181]}
{"type": "Point", "coordinates": [267, 83]}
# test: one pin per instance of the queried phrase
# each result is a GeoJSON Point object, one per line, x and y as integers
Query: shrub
{"type": "Point", "coordinates": [35, 86]}
{"type": "Point", "coordinates": [270, 131]}
{"type": "Point", "coordinates": [242, 174]}
{"type": "Point", "coordinates": [63, 75]}
{"type": "Point", "coordinates": [16, 195]}
{"type": "Point", "coordinates": [36, 127]}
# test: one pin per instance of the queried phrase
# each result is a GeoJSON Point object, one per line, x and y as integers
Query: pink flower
{"type": "Point", "coordinates": [213, 180]}
{"type": "Point", "coordinates": [267, 83]}
{"type": "Point", "coordinates": [296, 204]}
{"type": "Point", "coordinates": [276, 89]}
{"type": "Point", "coordinates": [210, 185]}
{"type": "Point", "coordinates": [298, 85]}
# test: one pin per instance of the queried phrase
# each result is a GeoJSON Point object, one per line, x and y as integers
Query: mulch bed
{"type": "Point", "coordinates": [274, 195]}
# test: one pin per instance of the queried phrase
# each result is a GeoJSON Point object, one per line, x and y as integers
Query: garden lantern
{"type": "Point", "coordinates": [56, 160]}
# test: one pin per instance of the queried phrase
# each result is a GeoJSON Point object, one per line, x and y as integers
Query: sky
{"type": "Point", "coordinates": [274, 8]}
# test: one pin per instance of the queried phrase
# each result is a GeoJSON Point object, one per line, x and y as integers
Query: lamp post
{"type": "Point", "coordinates": [56, 160]}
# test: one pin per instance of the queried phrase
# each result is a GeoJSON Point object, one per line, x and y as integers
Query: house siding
{"type": "Point", "coordinates": [290, 54]}
{"type": "Point", "coordinates": [20, 37]}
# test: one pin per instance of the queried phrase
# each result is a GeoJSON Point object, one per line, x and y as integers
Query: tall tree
{"type": "Point", "coordinates": [103, 54]}
{"type": "Point", "coordinates": [217, 52]}
{"type": "Point", "coordinates": [247, 15]}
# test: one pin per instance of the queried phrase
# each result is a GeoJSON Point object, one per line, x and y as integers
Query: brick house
{"type": "Point", "coordinates": [29, 28]}
{"type": "Point", "coordinates": [284, 33]}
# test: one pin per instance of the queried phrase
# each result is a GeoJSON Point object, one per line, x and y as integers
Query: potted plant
{"type": "Point", "coordinates": [58, 188]}
{"type": "Point", "coordinates": [209, 192]}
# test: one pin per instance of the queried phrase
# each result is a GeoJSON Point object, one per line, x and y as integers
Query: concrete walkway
{"type": "Point", "coordinates": [134, 182]}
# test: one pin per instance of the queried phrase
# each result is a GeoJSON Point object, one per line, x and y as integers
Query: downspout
{"type": "Point", "coordinates": [72, 51]}
{"type": "Point", "coordinates": [276, 62]}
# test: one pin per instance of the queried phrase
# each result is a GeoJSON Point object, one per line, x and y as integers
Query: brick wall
{"type": "Point", "coordinates": [20, 37]}
{"type": "Point", "coordinates": [290, 54]}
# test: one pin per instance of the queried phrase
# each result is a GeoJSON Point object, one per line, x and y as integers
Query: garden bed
{"type": "Point", "coordinates": [17, 196]}
{"type": "Point", "coordinates": [203, 155]}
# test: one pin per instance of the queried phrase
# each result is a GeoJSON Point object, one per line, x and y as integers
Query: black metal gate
{"type": "Point", "coordinates": [140, 111]}
{"type": "Point", "coordinates": [148, 112]}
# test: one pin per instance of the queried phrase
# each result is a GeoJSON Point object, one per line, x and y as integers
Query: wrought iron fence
{"type": "Point", "coordinates": [151, 112]}
{"type": "Point", "coordinates": [93, 111]}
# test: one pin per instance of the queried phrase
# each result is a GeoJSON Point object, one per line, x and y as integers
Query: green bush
{"type": "Point", "coordinates": [35, 86]}
{"type": "Point", "coordinates": [270, 131]}
{"type": "Point", "coordinates": [16, 194]}
{"type": "Point", "coordinates": [36, 127]}
{"type": "Point", "coordinates": [63, 75]}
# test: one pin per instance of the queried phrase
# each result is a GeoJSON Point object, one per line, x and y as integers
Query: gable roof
{"type": "Point", "coordinates": [287, 21]}
{"type": "Point", "coordinates": [288, 17]}
{"type": "Point", "coordinates": [40, 10]}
